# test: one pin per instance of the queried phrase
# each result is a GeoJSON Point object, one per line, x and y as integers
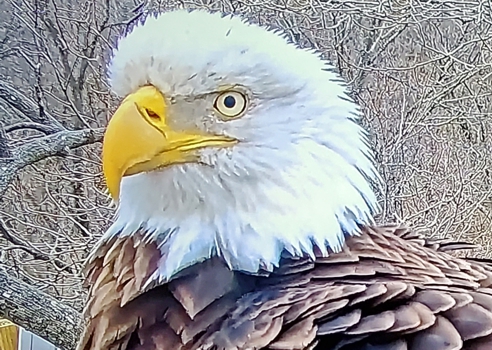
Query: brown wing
{"type": "Point", "coordinates": [388, 289]}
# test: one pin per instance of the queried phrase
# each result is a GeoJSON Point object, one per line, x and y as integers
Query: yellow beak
{"type": "Point", "coordinates": [138, 139]}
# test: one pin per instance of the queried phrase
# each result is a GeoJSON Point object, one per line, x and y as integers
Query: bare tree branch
{"type": "Point", "coordinates": [26, 106]}
{"type": "Point", "coordinates": [39, 312]}
{"type": "Point", "coordinates": [46, 129]}
{"type": "Point", "coordinates": [57, 144]}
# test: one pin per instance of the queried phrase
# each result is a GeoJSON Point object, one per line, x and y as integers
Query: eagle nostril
{"type": "Point", "coordinates": [152, 114]}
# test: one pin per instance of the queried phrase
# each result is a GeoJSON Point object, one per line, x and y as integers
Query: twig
{"type": "Point", "coordinates": [35, 253]}
{"type": "Point", "coordinates": [4, 147]}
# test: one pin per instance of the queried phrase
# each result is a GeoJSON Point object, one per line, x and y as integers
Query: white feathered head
{"type": "Point", "coordinates": [231, 141]}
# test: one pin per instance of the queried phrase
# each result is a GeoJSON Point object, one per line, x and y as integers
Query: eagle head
{"type": "Point", "coordinates": [231, 141]}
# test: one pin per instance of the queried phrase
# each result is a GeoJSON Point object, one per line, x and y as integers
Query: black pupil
{"type": "Point", "coordinates": [229, 102]}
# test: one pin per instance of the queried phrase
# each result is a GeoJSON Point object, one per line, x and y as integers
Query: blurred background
{"type": "Point", "coordinates": [420, 70]}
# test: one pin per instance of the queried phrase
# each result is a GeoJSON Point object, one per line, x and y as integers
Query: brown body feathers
{"type": "Point", "coordinates": [388, 289]}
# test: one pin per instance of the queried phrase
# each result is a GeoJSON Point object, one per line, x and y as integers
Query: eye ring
{"type": "Point", "coordinates": [231, 104]}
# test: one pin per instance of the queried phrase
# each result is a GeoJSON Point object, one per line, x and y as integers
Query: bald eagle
{"type": "Point", "coordinates": [245, 209]}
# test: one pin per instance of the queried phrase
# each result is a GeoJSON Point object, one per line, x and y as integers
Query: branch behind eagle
{"type": "Point", "coordinates": [245, 210]}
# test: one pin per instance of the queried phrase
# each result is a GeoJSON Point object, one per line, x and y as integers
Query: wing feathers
{"type": "Point", "coordinates": [441, 336]}
{"type": "Point", "coordinates": [407, 318]}
{"type": "Point", "coordinates": [297, 337]}
{"type": "Point", "coordinates": [436, 301]}
{"type": "Point", "coordinates": [373, 323]}
{"type": "Point", "coordinates": [340, 323]}
{"type": "Point", "coordinates": [388, 289]}
{"type": "Point", "coordinates": [471, 321]}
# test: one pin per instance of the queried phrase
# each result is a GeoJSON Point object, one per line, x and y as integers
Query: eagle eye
{"type": "Point", "coordinates": [231, 104]}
